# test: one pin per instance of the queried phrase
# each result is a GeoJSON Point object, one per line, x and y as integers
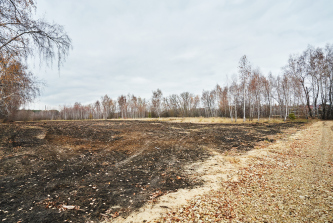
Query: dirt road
{"type": "Point", "coordinates": [288, 181]}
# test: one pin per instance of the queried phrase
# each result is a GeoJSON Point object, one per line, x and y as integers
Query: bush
{"type": "Point", "coordinates": [292, 116]}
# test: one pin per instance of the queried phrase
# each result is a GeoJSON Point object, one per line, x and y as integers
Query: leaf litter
{"type": "Point", "coordinates": [289, 181]}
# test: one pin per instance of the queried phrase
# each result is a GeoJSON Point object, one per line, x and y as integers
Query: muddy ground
{"type": "Point", "coordinates": [95, 170]}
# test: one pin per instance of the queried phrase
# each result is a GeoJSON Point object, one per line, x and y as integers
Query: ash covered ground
{"type": "Point", "coordinates": [76, 171]}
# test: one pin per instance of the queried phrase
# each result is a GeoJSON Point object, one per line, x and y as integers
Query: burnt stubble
{"type": "Point", "coordinates": [106, 168]}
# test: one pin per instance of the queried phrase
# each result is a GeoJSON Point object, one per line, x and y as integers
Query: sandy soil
{"type": "Point", "coordinates": [288, 181]}
{"type": "Point", "coordinates": [211, 172]}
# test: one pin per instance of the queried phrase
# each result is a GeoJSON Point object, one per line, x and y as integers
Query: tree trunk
{"type": "Point", "coordinates": [330, 112]}
{"type": "Point", "coordinates": [308, 101]}
{"type": "Point", "coordinates": [235, 112]}
{"type": "Point", "coordinates": [285, 117]}
{"type": "Point", "coordinates": [270, 109]}
{"type": "Point", "coordinates": [244, 104]}
{"type": "Point", "coordinates": [258, 110]}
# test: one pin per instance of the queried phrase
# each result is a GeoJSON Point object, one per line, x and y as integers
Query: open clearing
{"type": "Point", "coordinates": [109, 170]}
{"type": "Point", "coordinates": [288, 181]}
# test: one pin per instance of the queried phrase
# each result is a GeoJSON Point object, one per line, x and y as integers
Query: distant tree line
{"type": "Point", "coordinates": [303, 89]}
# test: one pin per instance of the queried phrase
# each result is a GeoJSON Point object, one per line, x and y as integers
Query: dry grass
{"type": "Point", "coordinates": [292, 183]}
{"type": "Point", "coordinates": [233, 160]}
{"type": "Point", "coordinates": [222, 120]}
{"type": "Point", "coordinates": [189, 120]}
{"type": "Point", "coordinates": [213, 120]}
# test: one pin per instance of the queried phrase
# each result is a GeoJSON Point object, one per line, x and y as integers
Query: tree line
{"type": "Point", "coordinates": [303, 89]}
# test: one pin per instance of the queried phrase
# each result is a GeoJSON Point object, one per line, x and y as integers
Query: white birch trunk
{"type": "Point", "coordinates": [244, 103]}
{"type": "Point", "coordinates": [235, 112]}
{"type": "Point", "coordinates": [258, 110]}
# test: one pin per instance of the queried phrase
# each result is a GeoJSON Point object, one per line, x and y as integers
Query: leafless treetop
{"type": "Point", "coordinates": [22, 36]}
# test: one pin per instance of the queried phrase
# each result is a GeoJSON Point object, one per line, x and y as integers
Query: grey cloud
{"type": "Point", "coordinates": [135, 47]}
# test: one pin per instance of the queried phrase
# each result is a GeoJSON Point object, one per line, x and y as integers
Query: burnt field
{"type": "Point", "coordinates": [96, 170]}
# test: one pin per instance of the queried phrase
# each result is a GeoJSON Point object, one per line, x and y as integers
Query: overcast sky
{"type": "Point", "coordinates": [137, 46]}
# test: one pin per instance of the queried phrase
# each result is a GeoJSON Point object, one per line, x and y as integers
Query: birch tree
{"type": "Point", "coordinates": [244, 71]}
{"type": "Point", "coordinates": [195, 101]}
{"type": "Point", "coordinates": [267, 89]}
{"type": "Point", "coordinates": [299, 69]}
{"type": "Point", "coordinates": [122, 102]}
{"type": "Point", "coordinates": [157, 102]}
{"type": "Point", "coordinates": [234, 91]}
{"type": "Point", "coordinates": [223, 102]}
{"type": "Point", "coordinates": [286, 89]}
{"type": "Point", "coordinates": [21, 35]}
{"type": "Point", "coordinates": [329, 62]}
{"type": "Point", "coordinates": [257, 88]}
{"type": "Point", "coordinates": [208, 100]}
{"type": "Point", "coordinates": [17, 86]}
{"type": "Point", "coordinates": [186, 103]}
{"type": "Point", "coordinates": [142, 106]}
{"type": "Point", "coordinates": [108, 106]}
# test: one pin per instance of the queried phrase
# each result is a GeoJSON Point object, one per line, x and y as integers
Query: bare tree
{"type": "Point", "coordinates": [77, 111]}
{"type": "Point", "coordinates": [172, 103]}
{"type": "Point", "coordinates": [286, 92]}
{"type": "Point", "coordinates": [306, 85]}
{"type": "Point", "coordinates": [314, 73]}
{"type": "Point", "coordinates": [324, 68]}
{"type": "Point", "coordinates": [109, 106]}
{"type": "Point", "coordinates": [186, 103]}
{"type": "Point", "coordinates": [21, 35]}
{"type": "Point", "coordinates": [195, 101]}
{"type": "Point", "coordinates": [299, 69]}
{"type": "Point", "coordinates": [122, 102]}
{"type": "Point", "coordinates": [133, 106]}
{"type": "Point", "coordinates": [329, 62]}
{"type": "Point", "coordinates": [208, 99]}
{"type": "Point", "coordinates": [222, 99]}
{"type": "Point", "coordinates": [234, 92]}
{"type": "Point", "coordinates": [142, 106]}
{"type": "Point", "coordinates": [257, 83]}
{"type": "Point", "coordinates": [98, 110]}
{"type": "Point", "coordinates": [268, 94]}
{"type": "Point", "coordinates": [251, 89]}
{"type": "Point", "coordinates": [245, 72]}
{"type": "Point", "coordinates": [157, 101]}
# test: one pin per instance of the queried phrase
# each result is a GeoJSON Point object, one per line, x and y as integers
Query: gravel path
{"type": "Point", "coordinates": [288, 181]}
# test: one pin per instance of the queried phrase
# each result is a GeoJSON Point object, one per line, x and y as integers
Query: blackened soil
{"type": "Point", "coordinates": [106, 168]}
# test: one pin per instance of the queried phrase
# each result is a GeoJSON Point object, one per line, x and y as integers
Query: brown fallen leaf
{"type": "Point", "coordinates": [116, 214]}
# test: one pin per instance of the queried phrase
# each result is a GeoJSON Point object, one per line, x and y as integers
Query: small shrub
{"type": "Point", "coordinates": [292, 116]}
